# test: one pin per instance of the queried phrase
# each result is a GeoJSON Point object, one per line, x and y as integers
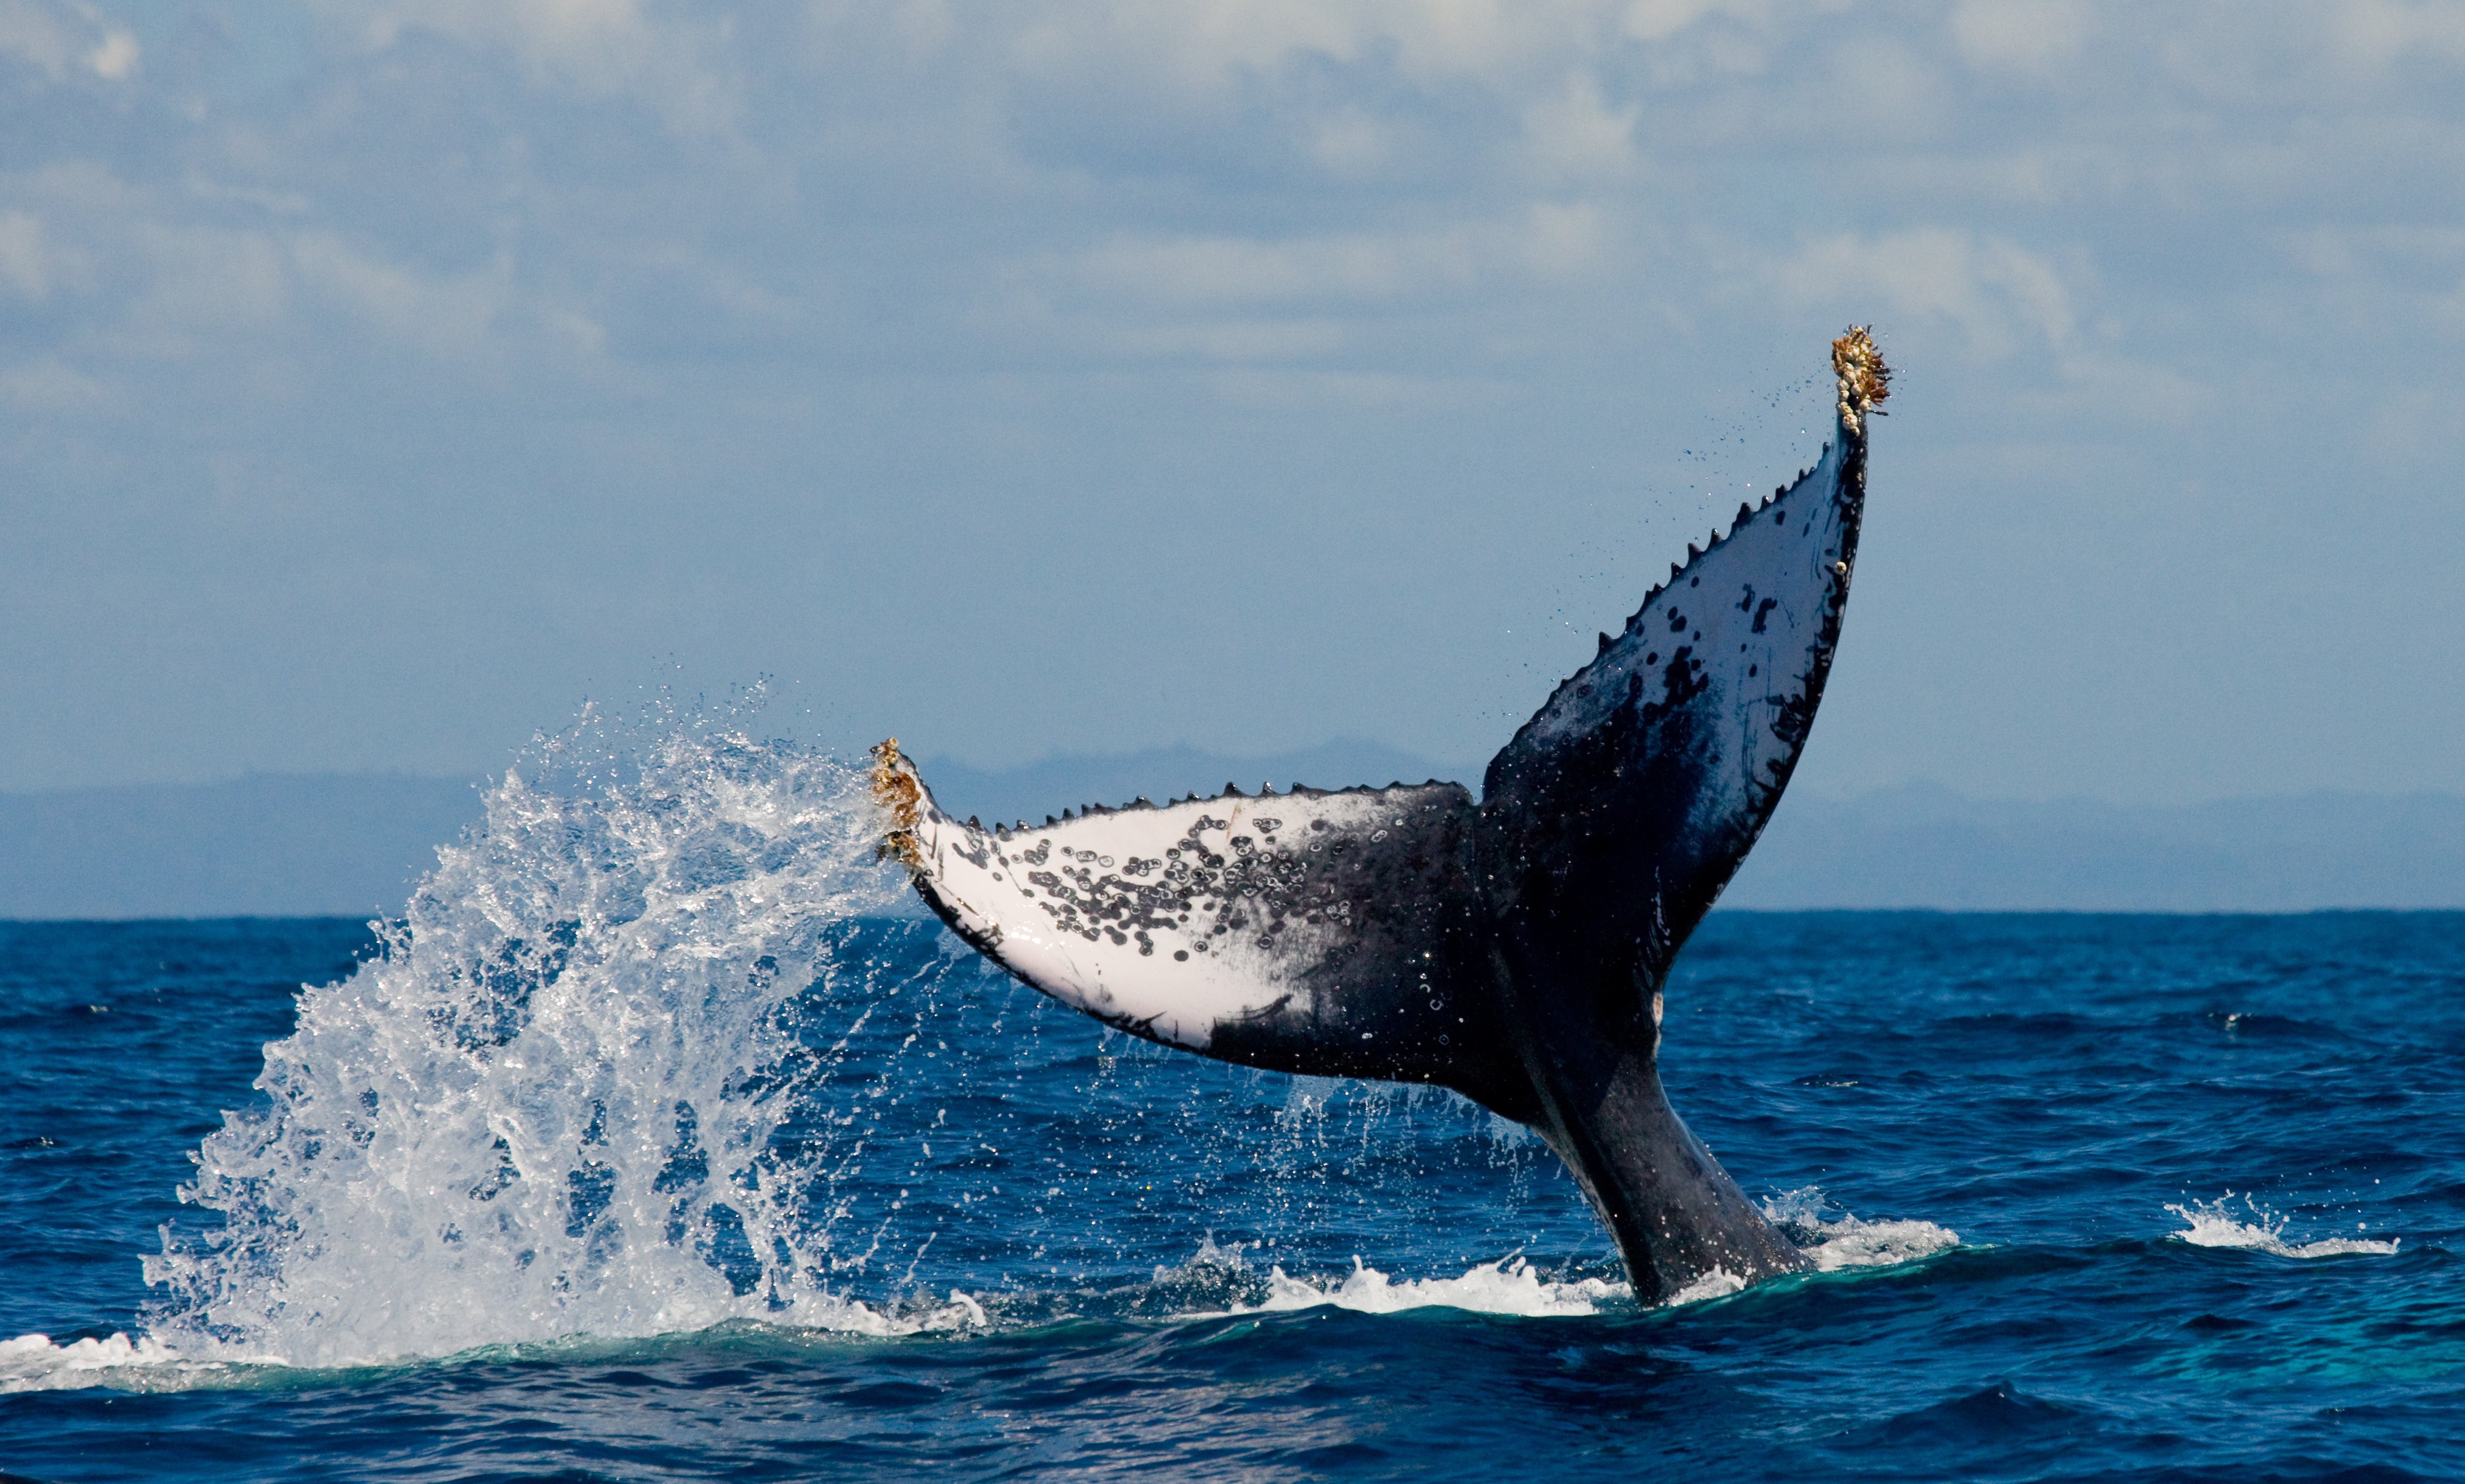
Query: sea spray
{"type": "Point", "coordinates": [550, 1103]}
{"type": "Point", "coordinates": [1834, 1239]}
{"type": "Point", "coordinates": [662, 1046]}
{"type": "Point", "coordinates": [2259, 1230]}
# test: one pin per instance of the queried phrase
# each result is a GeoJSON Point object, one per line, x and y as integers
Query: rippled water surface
{"type": "Point", "coordinates": [658, 1139]}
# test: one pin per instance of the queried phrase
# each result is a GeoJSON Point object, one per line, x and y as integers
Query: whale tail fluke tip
{"type": "Point", "coordinates": [895, 791]}
{"type": "Point", "coordinates": [1865, 381]}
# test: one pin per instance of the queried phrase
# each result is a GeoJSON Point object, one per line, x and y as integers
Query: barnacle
{"type": "Point", "coordinates": [896, 789]}
{"type": "Point", "coordinates": [1865, 381]}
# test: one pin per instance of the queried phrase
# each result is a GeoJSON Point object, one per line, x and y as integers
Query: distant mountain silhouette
{"type": "Point", "coordinates": [354, 844]}
{"type": "Point", "coordinates": [266, 845]}
{"type": "Point", "coordinates": [1924, 846]}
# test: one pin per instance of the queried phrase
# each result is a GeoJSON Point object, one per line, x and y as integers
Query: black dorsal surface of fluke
{"type": "Point", "coordinates": [1513, 949]}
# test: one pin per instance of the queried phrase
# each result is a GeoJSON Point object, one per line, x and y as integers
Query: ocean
{"type": "Point", "coordinates": [660, 1138]}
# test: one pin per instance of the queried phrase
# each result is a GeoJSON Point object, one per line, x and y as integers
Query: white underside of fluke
{"type": "Point", "coordinates": [1172, 919]}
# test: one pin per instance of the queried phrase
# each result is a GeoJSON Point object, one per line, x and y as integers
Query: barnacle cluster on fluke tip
{"type": "Point", "coordinates": [1865, 381]}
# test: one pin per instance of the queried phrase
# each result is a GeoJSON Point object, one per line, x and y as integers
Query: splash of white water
{"type": "Point", "coordinates": [1508, 1286]}
{"type": "Point", "coordinates": [1511, 1284]}
{"type": "Point", "coordinates": [1719, 1283]}
{"type": "Point", "coordinates": [32, 1363]}
{"type": "Point", "coordinates": [2209, 1225]}
{"type": "Point", "coordinates": [1834, 1242]}
{"type": "Point", "coordinates": [547, 1106]}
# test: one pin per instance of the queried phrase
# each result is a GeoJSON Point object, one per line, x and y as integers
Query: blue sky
{"type": "Point", "coordinates": [380, 379]}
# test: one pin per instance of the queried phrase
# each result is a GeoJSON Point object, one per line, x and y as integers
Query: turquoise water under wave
{"type": "Point", "coordinates": [655, 1141]}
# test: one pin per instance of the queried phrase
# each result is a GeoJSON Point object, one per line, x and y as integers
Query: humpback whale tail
{"type": "Point", "coordinates": [1512, 948]}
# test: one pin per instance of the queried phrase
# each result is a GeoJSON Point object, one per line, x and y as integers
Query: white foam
{"type": "Point", "coordinates": [32, 1363]}
{"type": "Point", "coordinates": [1512, 1286]}
{"type": "Point", "coordinates": [1719, 1283]}
{"type": "Point", "coordinates": [1506, 1286]}
{"type": "Point", "coordinates": [2210, 1224]}
{"type": "Point", "coordinates": [831, 1314]}
{"type": "Point", "coordinates": [1845, 1240]}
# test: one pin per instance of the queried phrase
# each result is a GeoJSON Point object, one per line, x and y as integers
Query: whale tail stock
{"type": "Point", "coordinates": [1512, 948]}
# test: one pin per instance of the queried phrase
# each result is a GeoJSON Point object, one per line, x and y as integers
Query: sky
{"type": "Point", "coordinates": [383, 380]}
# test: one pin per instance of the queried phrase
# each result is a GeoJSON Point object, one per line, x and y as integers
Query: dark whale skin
{"type": "Point", "coordinates": [1513, 949]}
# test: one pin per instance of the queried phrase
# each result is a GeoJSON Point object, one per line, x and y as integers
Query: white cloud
{"type": "Point", "coordinates": [25, 261]}
{"type": "Point", "coordinates": [57, 38]}
{"type": "Point", "coordinates": [1565, 240]}
{"type": "Point", "coordinates": [2041, 38]}
{"type": "Point", "coordinates": [594, 48]}
{"type": "Point", "coordinates": [207, 283]}
{"type": "Point", "coordinates": [1686, 43]}
{"type": "Point", "coordinates": [1550, 240]}
{"type": "Point", "coordinates": [1658, 20]}
{"type": "Point", "coordinates": [1232, 342]}
{"type": "Point", "coordinates": [1207, 45]}
{"type": "Point", "coordinates": [1246, 270]}
{"type": "Point", "coordinates": [597, 41]}
{"type": "Point", "coordinates": [2099, 387]}
{"type": "Point", "coordinates": [62, 38]}
{"type": "Point", "coordinates": [2004, 299]}
{"type": "Point", "coordinates": [39, 33]}
{"type": "Point", "coordinates": [445, 314]}
{"type": "Point", "coordinates": [1574, 134]}
{"type": "Point", "coordinates": [1351, 142]}
{"type": "Point", "coordinates": [2376, 33]}
{"type": "Point", "coordinates": [114, 58]}
{"type": "Point", "coordinates": [1886, 91]}
{"type": "Point", "coordinates": [47, 386]}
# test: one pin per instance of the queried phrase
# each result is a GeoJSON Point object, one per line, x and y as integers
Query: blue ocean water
{"type": "Point", "coordinates": [660, 1139]}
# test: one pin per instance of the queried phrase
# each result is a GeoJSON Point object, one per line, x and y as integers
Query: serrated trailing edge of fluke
{"type": "Point", "coordinates": [1863, 382]}
{"type": "Point", "coordinates": [1746, 516]}
{"type": "Point", "coordinates": [1863, 379]}
{"type": "Point", "coordinates": [900, 792]}
{"type": "Point", "coordinates": [1266, 790]}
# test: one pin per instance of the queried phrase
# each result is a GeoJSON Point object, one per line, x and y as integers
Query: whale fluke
{"type": "Point", "coordinates": [1513, 948]}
